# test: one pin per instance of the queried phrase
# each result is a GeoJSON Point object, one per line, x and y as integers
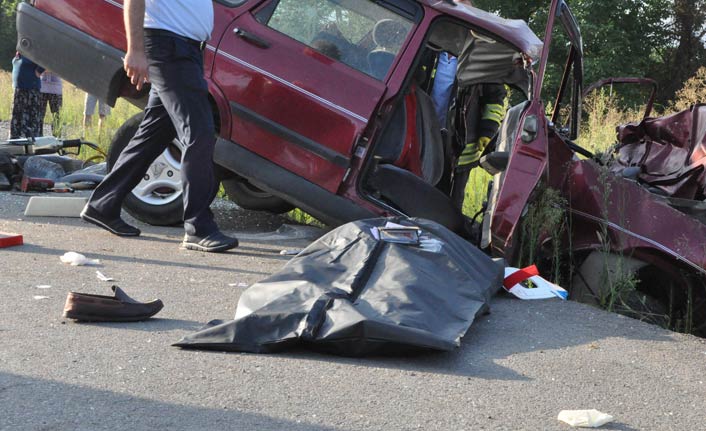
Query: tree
{"type": "Point", "coordinates": [684, 53]}
{"type": "Point", "coordinates": [662, 39]}
{"type": "Point", "coordinates": [8, 32]}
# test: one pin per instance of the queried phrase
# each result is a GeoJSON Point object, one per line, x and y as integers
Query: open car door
{"type": "Point", "coordinates": [531, 142]}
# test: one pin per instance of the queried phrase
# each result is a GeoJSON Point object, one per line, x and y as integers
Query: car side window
{"type": "Point", "coordinates": [359, 33]}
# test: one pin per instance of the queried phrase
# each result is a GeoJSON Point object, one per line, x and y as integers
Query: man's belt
{"type": "Point", "coordinates": [167, 33]}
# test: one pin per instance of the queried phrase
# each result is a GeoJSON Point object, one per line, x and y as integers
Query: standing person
{"type": "Point", "coordinates": [480, 109]}
{"type": "Point", "coordinates": [89, 107]}
{"type": "Point", "coordinates": [165, 40]}
{"type": "Point", "coordinates": [50, 94]}
{"type": "Point", "coordinates": [25, 103]}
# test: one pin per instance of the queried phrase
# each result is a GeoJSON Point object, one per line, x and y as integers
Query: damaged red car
{"type": "Point", "coordinates": [325, 105]}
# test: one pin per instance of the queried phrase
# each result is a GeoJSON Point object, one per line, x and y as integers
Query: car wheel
{"type": "Point", "coordinates": [158, 198]}
{"type": "Point", "coordinates": [250, 197]}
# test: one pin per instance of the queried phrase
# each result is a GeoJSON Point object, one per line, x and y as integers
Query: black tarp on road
{"type": "Point", "coordinates": [350, 294]}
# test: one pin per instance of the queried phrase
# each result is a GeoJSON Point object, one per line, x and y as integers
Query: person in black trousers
{"type": "Point", "coordinates": [166, 49]}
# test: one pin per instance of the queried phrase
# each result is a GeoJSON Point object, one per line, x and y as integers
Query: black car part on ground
{"type": "Point", "coordinates": [351, 294]}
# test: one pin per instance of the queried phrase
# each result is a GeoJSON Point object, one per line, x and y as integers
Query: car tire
{"type": "Point", "coordinates": [250, 197]}
{"type": "Point", "coordinates": [158, 199]}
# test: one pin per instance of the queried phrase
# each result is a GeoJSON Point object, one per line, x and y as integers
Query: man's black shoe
{"type": "Point", "coordinates": [115, 226]}
{"type": "Point", "coordinates": [213, 243]}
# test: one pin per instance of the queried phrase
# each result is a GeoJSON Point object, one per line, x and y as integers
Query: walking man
{"type": "Point", "coordinates": [165, 40]}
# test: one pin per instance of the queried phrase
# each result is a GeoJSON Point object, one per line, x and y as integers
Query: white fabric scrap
{"type": "Point", "coordinates": [77, 259]}
{"type": "Point", "coordinates": [584, 418]}
{"type": "Point", "coordinates": [103, 277]}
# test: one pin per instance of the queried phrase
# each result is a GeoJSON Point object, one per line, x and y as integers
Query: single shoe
{"type": "Point", "coordinates": [118, 308]}
{"type": "Point", "coordinates": [115, 226]}
{"type": "Point", "coordinates": [213, 243]}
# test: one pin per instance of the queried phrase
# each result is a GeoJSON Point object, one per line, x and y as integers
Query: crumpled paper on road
{"type": "Point", "coordinates": [77, 259]}
{"type": "Point", "coordinates": [584, 418]}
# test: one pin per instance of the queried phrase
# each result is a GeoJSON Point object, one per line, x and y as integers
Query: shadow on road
{"type": "Point", "coordinates": [514, 327]}
{"type": "Point", "coordinates": [29, 248]}
{"type": "Point", "coordinates": [51, 405]}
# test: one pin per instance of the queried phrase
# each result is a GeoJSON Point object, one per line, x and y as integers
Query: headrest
{"type": "Point", "coordinates": [389, 34]}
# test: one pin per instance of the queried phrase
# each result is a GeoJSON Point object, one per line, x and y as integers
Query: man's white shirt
{"type": "Point", "coordinates": [188, 18]}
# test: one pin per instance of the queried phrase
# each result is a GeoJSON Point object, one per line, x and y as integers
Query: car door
{"type": "Point", "coordinates": [531, 149]}
{"type": "Point", "coordinates": [303, 78]}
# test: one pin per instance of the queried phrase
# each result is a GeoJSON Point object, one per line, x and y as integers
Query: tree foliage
{"type": "Point", "coordinates": [8, 32]}
{"type": "Point", "coordinates": [661, 39]}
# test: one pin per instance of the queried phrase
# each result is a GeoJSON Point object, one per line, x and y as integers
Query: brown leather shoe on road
{"type": "Point", "coordinates": [119, 308]}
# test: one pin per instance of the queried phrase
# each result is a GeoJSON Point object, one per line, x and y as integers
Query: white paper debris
{"type": "Point", "coordinates": [44, 286]}
{"type": "Point", "coordinates": [77, 259]}
{"type": "Point", "coordinates": [430, 244]}
{"type": "Point", "coordinates": [584, 418]}
{"type": "Point", "coordinates": [293, 252]}
{"type": "Point", "coordinates": [541, 288]}
{"type": "Point", "coordinates": [40, 297]}
{"type": "Point", "coordinates": [103, 277]}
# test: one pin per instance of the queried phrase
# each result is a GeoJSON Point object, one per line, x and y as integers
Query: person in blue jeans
{"type": "Point", "coordinates": [480, 109]}
{"type": "Point", "coordinates": [165, 40]}
{"type": "Point", "coordinates": [444, 79]}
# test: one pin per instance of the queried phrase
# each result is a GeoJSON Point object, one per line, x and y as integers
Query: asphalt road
{"type": "Point", "coordinates": [516, 368]}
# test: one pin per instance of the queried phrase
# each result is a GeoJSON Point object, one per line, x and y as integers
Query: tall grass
{"type": "Point", "coordinates": [71, 115]}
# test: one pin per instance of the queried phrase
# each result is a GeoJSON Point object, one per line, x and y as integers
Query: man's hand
{"type": "Point", "coordinates": [471, 153]}
{"type": "Point", "coordinates": [135, 65]}
{"type": "Point", "coordinates": [135, 61]}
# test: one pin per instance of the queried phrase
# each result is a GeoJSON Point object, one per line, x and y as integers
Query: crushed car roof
{"type": "Point", "coordinates": [514, 31]}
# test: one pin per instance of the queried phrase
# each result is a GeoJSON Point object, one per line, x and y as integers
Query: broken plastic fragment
{"type": "Point", "coordinates": [292, 252]}
{"type": "Point", "coordinates": [103, 277]}
{"type": "Point", "coordinates": [40, 297]}
{"type": "Point", "coordinates": [44, 286]}
{"type": "Point", "coordinates": [515, 280]}
{"type": "Point", "coordinates": [584, 418]}
{"type": "Point", "coordinates": [77, 259]}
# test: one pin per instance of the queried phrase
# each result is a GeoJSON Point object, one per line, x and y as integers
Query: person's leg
{"type": "Point", "coordinates": [183, 90]}
{"type": "Point", "coordinates": [89, 106]}
{"type": "Point", "coordinates": [55, 103]}
{"type": "Point", "coordinates": [458, 193]}
{"type": "Point", "coordinates": [103, 112]}
{"type": "Point", "coordinates": [43, 101]}
{"type": "Point", "coordinates": [35, 113]}
{"type": "Point", "coordinates": [154, 134]}
{"type": "Point", "coordinates": [19, 101]}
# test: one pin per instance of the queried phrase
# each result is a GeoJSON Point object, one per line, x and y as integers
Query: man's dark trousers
{"type": "Point", "coordinates": [178, 106]}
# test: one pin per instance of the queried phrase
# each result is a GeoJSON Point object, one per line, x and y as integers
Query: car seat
{"type": "Point", "coordinates": [388, 36]}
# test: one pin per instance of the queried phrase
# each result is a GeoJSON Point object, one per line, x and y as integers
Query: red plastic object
{"type": "Point", "coordinates": [520, 276]}
{"type": "Point", "coordinates": [10, 239]}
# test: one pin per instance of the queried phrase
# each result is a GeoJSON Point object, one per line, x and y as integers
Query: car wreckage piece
{"type": "Point", "coordinates": [351, 294]}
